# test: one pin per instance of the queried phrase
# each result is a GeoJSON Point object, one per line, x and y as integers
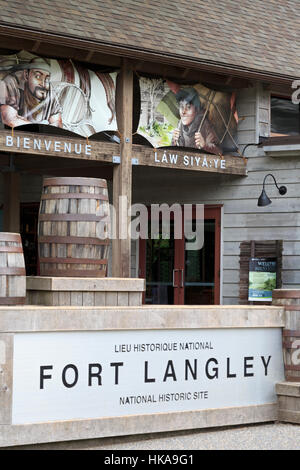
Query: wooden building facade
{"type": "Point", "coordinates": [228, 185]}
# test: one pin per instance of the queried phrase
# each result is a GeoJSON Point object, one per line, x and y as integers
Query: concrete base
{"type": "Point", "coordinates": [15, 435]}
{"type": "Point", "coordinates": [78, 292]}
{"type": "Point", "coordinates": [156, 324]}
{"type": "Point", "coordinates": [288, 402]}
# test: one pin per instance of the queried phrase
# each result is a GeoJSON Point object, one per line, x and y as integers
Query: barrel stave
{"type": "Point", "coordinates": [76, 210]}
{"type": "Point", "coordinates": [12, 270]}
{"type": "Point", "coordinates": [290, 299]}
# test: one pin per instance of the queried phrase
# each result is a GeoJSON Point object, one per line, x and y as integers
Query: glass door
{"type": "Point", "coordinates": [199, 280]}
{"type": "Point", "coordinates": [161, 269]}
{"type": "Point", "coordinates": [175, 275]}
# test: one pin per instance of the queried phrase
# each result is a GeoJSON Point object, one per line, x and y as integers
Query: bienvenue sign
{"type": "Point", "coordinates": [55, 146]}
{"type": "Point", "coordinates": [47, 145]}
{"type": "Point", "coordinates": [81, 375]}
{"type": "Point", "coordinates": [68, 147]}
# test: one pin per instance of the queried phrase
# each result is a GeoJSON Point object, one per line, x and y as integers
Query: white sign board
{"type": "Point", "coordinates": [81, 375]}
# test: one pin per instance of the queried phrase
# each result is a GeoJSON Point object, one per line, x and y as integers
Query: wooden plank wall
{"type": "Point", "coordinates": [31, 188]}
{"type": "Point", "coordinates": [242, 219]}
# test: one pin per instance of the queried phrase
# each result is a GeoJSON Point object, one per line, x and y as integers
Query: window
{"type": "Point", "coordinates": [285, 117]}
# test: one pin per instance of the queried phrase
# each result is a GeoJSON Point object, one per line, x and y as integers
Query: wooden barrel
{"type": "Point", "coordinates": [12, 270]}
{"type": "Point", "coordinates": [73, 227]}
{"type": "Point", "coordinates": [290, 299]}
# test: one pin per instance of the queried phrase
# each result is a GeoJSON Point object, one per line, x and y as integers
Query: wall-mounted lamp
{"type": "Point", "coordinates": [263, 199]}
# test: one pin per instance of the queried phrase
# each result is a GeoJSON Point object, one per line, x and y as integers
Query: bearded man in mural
{"type": "Point", "coordinates": [194, 129]}
{"type": "Point", "coordinates": [26, 96]}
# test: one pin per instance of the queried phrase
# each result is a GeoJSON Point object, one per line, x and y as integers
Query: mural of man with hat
{"type": "Point", "coordinates": [194, 129]}
{"type": "Point", "coordinates": [26, 95]}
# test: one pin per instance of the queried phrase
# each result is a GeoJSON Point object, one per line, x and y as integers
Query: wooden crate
{"type": "Point", "coordinates": [57, 291]}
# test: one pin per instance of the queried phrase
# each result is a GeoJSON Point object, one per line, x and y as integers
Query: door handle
{"type": "Point", "coordinates": [181, 280]}
{"type": "Point", "coordinates": [174, 271]}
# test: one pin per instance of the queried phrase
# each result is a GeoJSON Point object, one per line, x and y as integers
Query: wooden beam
{"type": "Point", "coordinates": [172, 72]}
{"type": "Point", "coordinates": [122, 177]}
{"type": "Point", "coordinates": [103, 152]}
{"type": "Point", "coordinates": [185, 75]}
{"type": "Point", "coordinates": [9, 44]}
{"type": "Point", "coordinates": [43, 145]}
{"type": "Point", "coordinates": [89, 56]}
{"type": "Point", "coordinates": [15, 44]}
{"type": "Point", "coordinates": [36, 46]}
{"type": "Point", "coordinates": [190, 159]}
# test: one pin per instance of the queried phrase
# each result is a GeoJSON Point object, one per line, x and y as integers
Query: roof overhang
{"type": "Point", "coordinates": [139, 53]}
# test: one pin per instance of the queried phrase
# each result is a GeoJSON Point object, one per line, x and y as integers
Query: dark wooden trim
{"type": "Point", "coordinates": [283, 140]}
{"type": "Point", "coordinates": [291, 367]}
{"type": "Point", "coordinates": [289, 333]}
{"type": "Point", "coordinates": [12, 300]}
{"type": "Point", "coordinates": [286, 294]}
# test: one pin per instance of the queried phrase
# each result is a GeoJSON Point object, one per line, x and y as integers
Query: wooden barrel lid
{"type": "Point", "coordinates": [10, 237]}
{"type": "Point", "coordinates": [67, 181]}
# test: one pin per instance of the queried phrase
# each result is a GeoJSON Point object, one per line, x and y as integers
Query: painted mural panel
{"type": "Point", "coordinates": [60, 93]}
{"type": "Point", "coordinates": [191, 116]}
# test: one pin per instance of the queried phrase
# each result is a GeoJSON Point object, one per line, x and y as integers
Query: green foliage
{"type": "Point", "coordinates": [270, 284]}
{"type": "Point", "coordinates": [162, 133]}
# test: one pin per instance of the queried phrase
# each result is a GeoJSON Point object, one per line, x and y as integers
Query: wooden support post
{"type": "Point", "coordinates": [11, 212]}
{"type": "Point", "coordinates": [122, 177]}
